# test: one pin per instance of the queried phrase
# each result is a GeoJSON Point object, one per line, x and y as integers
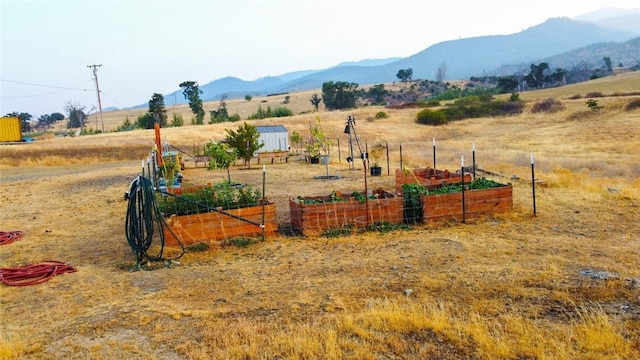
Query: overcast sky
{"type": "Point", "coordinates": [151, 46]}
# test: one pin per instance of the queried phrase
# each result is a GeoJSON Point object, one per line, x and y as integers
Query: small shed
{"type": "Point", "coordinates": [274, 138]}
{"type": "Point", "coordinates": [10, 129]}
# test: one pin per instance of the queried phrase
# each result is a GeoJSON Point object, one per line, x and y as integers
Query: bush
{"type": "Point", "coordinates": [575, 97]}
{"type": "Point", "coordinates": [550, 105]}
{"type": "Point", "coordinates": [594, 94]}
{"type": "Point", "coordinates": [279, 111]}
{"type": "Point", "coordinates": [632, 105]}
{"type": "Point", "coordinates": [177, 120]}
{"type": "Point", "coordinates": [431, 117]}
{"type": "Point", "coordinates": [381, 115]}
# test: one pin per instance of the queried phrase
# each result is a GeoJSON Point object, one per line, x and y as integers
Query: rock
{"type": "Point", "coordinates": [407, 292]}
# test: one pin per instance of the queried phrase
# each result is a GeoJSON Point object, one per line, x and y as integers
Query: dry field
{"type": "Point", "coordinates": [564, 284]}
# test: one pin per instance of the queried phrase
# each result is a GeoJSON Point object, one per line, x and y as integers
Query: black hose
{"type": "Point", "coordinates": [144, 222]}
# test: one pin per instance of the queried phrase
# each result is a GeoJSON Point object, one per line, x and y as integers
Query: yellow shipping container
{"type": "Point", "coordinates": [10, 129]}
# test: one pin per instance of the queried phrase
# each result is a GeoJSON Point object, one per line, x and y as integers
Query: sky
{"type": "Point", "coordinates": [151, 46]}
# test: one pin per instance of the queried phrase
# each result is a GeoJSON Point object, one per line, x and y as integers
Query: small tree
{"type": "Point", "coordinates": [593, 105]}
{"type": "Point", "coordinates": [248, 97]}
{"type": "Point", "coordinates": [315, 101]}
{"type": "Point", "coordinates": [77, 117]}
{"type": "Point", "coordinates": [441, 73]}
{"type": "Point", "coordinates": [220, 156]}
{"type": "Point", "coordinates": [405, 74]}
{"type": "Point", "coordinates": [296, 140]}
{"type": "Point", "coordinates": [176, 120]}
{"type": "Point", "coordinates": [244, 141]}
{"type": "Point", "coordinates": [321, 142]}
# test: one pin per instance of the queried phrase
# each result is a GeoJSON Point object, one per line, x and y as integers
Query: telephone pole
{"type": "Point", "coordinates": [95, 67]}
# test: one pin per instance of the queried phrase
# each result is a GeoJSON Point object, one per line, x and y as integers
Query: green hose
{"type": "Point", "coordinates": [144, 222]}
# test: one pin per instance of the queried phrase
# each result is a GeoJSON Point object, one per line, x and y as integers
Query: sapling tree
{"type": "Point", "coordinates": [220, 156]}
{"type": "Point", "coordinates": [244, 141]}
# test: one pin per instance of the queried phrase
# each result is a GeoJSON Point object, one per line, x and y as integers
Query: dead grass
{"type": "Point", "coordinates": [505, 287]}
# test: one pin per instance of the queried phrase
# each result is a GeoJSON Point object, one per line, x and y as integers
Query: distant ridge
{"type": "Point", "coordinates": [562, 42]}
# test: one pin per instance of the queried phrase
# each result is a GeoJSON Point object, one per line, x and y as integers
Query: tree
{"type": "Point", "coordinates": [191, 92]}
{"type": "Point", "coordinates": [537, 77]}
{"type": "Point", "coordinates": [377, 93]}
{"type": "Point", "coordinates": [25, 120]}
{"type": "Point", "coordinates": [77, 117]}
{"type": "Point", "coordinates": [145, 121]}
{"type": "Point", "coordinates": [405, 74]}
{"type": "Point", "coordinates": [244, 141]}
{"type": "Point", "coordinates": [248, 97]}
{"type": "Point", "coordinates": [157, 110]}
{"type": "Point", "coordinates": [441, 73]}
{"type": "Point", "coordinates": [315, 101]}
{"type": "Point", "coordinates": [220, 156]}
{"type": "Point", "coordinates": [507, 84]}
{"type": "Point", "coordinates": [339, 95]}
{"type": "Point", "coordinates": [607, 64]}
{"type": "Point", "coordinates": [296, 140]}
{"type": "Point", "coordinates": [558, 77]}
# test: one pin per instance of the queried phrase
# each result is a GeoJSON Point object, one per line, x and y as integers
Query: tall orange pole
{"type": "Point", "coordinates": [156, 127]}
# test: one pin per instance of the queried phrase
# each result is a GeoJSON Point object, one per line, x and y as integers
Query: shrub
{"type": "Point", "coordinates": [594, 94]}
{"type": "Point", "coordinates": [632, 105]}
{"type": "Point", "coordinates": [381, 115]}
{"type": "Point", "coordinates": [177, 120]}
{"type": "Point", "coordinates": [279, 111]}
{"type": "Point", "coordinates": [575, 97]}
{"type": "Point", "coordinates": [431, 117]}
{"type": "Point", "coordinates": [432, 103]}
{"type": "Point", "coordinates": [550, 105]}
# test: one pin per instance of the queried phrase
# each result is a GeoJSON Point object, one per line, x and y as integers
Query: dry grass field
{"type": "Point", "coordinates": [564, 284]}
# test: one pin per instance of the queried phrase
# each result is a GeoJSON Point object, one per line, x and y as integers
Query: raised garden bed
{"type": "Point", "coordinates": [315, 214]}
{"type": "Point", "coordinates": [216, 227]}
{"type": "Point", "coordinates": [481, 197]}
{"type": "Point", "coordinates": [430, 178]}
{"type": "Point", "coordinates": [215, 213]}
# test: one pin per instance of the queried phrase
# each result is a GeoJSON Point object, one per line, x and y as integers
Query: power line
{"type": "Point", "coordinates": [61, 89]}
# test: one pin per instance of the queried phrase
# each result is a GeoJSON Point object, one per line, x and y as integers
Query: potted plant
{"type": "Point", "coordinates": [321, 142]}
{"type": "Point", "coordinates": [314, 153]}
{"type": "Point", "coordinates": [376, 154]}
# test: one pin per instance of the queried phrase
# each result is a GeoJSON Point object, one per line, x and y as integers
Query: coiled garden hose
{"type": "Point", "coordinates": [35, 273]}
{"type": "Point", "coordinates": [7, 237]}
{"type": "Point", "coordinates": [144, 222]}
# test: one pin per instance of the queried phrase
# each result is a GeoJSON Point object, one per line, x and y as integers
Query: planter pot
{"type": "Point", "coordinates": [313, 219]}
{"type": "Point", "coordinates": [215, 227]}
{"type": "Point", "coordinates": [376, 171]}
{"type": "Point", "coordinates": [325, 159]}
{"type": "Point", "coordinates": [314, 160]}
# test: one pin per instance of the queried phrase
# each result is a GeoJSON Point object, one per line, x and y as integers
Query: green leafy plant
{"type": "Point", "coordinates": [376, 153]}
{"type": "Point", "coordinates": [208, 198]}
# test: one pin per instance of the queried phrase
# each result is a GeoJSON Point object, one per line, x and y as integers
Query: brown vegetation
{"type": "Point", "coordinates": [563, 284]}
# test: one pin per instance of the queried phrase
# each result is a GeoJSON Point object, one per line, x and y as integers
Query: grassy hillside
{"type": "Point", "coordinates": [560, 285]}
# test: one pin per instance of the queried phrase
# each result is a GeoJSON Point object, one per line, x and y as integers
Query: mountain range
{"type": "Point", "coordinates": [560, 42]}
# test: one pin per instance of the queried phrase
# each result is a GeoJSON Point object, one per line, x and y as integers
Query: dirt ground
{"type": "Point", "coordinates": [76, 214]}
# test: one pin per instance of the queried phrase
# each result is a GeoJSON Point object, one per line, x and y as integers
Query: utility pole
{"type": "Point", "coordinates": [95, 67]}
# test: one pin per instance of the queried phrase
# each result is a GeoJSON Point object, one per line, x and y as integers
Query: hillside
{"type": "Point", "coordinates": [464, 58]}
